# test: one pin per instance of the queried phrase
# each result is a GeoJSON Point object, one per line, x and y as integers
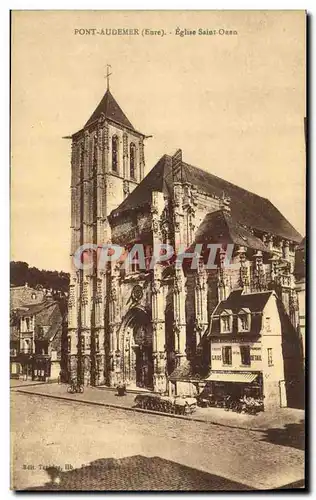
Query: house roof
{"type": "Point", "coordinates": [247, 208]}
{"type": "Point", "coordinates": [21, 296]}
{"type": "Point", "coordinates": [237, 301]}
{"type": "Point", "coordinates": [42, 310]}
{"type": "Point", "coordinates": [50, 316]}
{"type": "Point", "coordinates": [111, 110]}
{"type": "Point", "coordinates": [47, 314]}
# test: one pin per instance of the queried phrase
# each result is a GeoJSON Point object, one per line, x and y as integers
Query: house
{"type": "Point", "coordinates": [36, 341]}
{"type": "Point", "coordinates": [250, 349]}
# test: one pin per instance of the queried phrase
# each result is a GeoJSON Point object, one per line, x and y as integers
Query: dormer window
{"type": "Point", "coordinates": [115, 153]}
{"type": "Point", "coordinates": [244, 319]}
{"type": "Point", "coordinates": [226, 321]}
{"type": "Point", "coordinates": [132, 161]}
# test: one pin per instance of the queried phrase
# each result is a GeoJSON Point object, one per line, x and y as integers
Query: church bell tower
{"type": "Point", "coordinates": [107, 163]}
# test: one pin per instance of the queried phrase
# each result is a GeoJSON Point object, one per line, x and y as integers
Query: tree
{"type": "Point", "coordinates": [18, 273]}
{"type": "Point", "coordinates": [21, 273]}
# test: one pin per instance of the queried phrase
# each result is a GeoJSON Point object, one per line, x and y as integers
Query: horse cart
{"type": "Point", "coordinates": [166, 404]}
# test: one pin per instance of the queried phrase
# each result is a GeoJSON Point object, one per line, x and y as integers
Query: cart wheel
{"type": "Point", "coordinates": [70, 389]}
{"type": "Point", "coordinates": [80, 389]}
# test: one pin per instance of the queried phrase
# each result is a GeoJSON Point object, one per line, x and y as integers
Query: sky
{"type": "Point", "coordinates": [234, 104]}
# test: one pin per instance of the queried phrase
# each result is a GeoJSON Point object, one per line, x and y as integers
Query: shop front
{"type": "Point", "coordinates": [41, 367]}
{"type": "Point", "coordinates": [236, 385]}
{"type": "Point", "coordinates": [34, 367]}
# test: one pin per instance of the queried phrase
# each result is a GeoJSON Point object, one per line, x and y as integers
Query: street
{"type": "Point", "coordinates": [139, 451]}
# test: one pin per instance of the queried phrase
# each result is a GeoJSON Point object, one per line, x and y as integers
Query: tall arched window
{"type": "Point", "coordinates": [115, 153]}
{"type": "Point", "coordinates": [132, 161]}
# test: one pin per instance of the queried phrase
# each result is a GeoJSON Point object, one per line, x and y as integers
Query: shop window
{"type": "Point", "coordinates": [132, 161]}
{"type": "Point", "coordinates": [227, 355]}
{"type": "Point", "coordinates": [226, 322]}
{"type": "Point", "coordinates": [270, 358]}
{"type": "Point", "coordinates": [245, 355]}
{"type": "Point", "coordinates": [244, 320]}
{"type": "Point", "coordinates": [115, 144]}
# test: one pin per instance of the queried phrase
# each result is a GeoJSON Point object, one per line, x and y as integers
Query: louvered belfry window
{"type": "Point", "coordinates": [115, 153]}
{"type": "Point", "coordinates": [132, 161]}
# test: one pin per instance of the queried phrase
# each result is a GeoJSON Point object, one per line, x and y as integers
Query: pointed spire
{"type": "Point", "coordinates": [110, 109]}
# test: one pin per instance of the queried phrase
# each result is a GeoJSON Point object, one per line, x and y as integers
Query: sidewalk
{"type": "Point", "coordinates": [106, 397]}
{"type": "Point", "coordinates": [24, 383]}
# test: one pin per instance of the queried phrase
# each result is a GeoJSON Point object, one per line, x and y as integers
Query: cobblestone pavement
{"type": "Point", "coordinates": [265, 420]}
{"type": "Point", "coordinates": [112, 448]}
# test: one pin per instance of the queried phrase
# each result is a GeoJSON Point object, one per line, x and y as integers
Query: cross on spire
{"type": "Point", "coordinates": [107, 76]}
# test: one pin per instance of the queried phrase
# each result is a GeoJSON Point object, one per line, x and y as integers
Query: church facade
{"type": "Point", "coordinates": [151, 324]}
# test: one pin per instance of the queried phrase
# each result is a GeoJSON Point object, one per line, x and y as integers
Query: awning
{"type": "Point", "coordinates": [232, 377]}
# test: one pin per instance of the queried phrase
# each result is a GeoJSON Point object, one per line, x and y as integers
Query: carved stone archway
{"type": "Point", "coordinates": [137, 349]}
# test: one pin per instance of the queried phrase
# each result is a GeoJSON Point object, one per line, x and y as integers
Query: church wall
{"type": "Point", "coordinates": [212, 291]}
{"type": "Point", "coordinates": [114, 191]}
{"type": "Point", "coordinates": [190, 313]}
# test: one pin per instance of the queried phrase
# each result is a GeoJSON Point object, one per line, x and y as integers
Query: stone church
{"type": "Point", "coordinates": [152, 327]}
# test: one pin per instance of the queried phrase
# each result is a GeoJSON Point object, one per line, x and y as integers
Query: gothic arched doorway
{"type": "Point", "coordinates": [137, 349]}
